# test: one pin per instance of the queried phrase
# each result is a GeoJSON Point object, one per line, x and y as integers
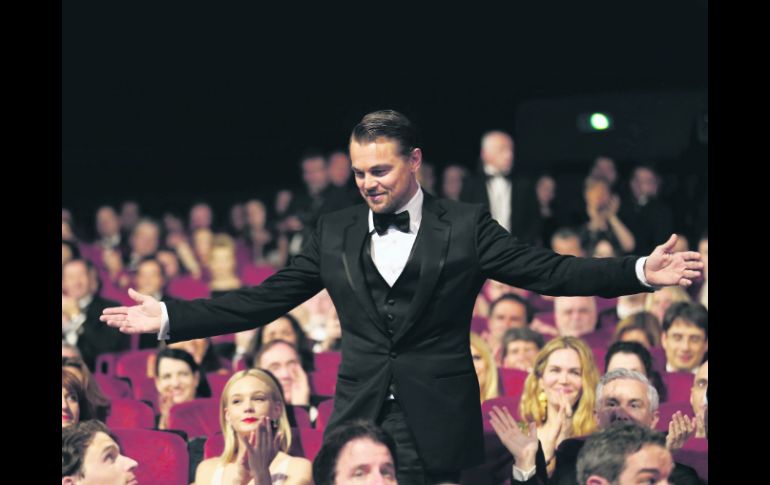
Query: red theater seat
{"type": "Point", "coordinates": [199, 417]}
{"type": "Point", "coordinates": [512, 403]}
{"type": "Point", "coordinates": [217, 382]}
{"type": "Point", "coordinates": [113, 387]}
{"type": "Point", "coordinates": [327, 361]}
{"type": "Point", "coordinates": [187, 288]}
{"type": "Point", "coordinates": [479, 325]}
{"type": "Point", "coordinates": [667, 409]}
{"type": "Point", "coordinates": [163, 458]}
{"type": "Point", "coordinates": [678, 385]}
{"type": "Point", "coordinates": [311, 440]}
{"type": "Point", "coordinates": [323, 383]}
{"type": "Point", "coordinates": [696, 459]}
{"type": "Point", "coordinates": [130, 413]}
{"type": "Point", "coordinates": [513, 381]}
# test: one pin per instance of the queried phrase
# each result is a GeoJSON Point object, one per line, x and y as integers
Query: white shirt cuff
{"type": "Point", "coordinates": [164, 326]}
{"type": "Point", "coordinates": [640, 272]}
{"type": "Point", "coordinates": [522, 476]}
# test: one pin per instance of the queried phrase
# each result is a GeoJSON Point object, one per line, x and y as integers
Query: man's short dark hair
{"type": "Point", "coordinates": [325, 463]}
{"type": "Point", "coordinates": [604, 453]}
{"type": "Point", "coordinates": [388, 124]}
{"type": "Point", "coordinates": [152, 259]}
{"type": "Point", "coordinates": [515, 298]}
{"type": "Point", "coordinates": [693, 313]}
{"type": "Point", "coordinates": [525, 333]}
{"type": "Point", "coordinates": [75, 440]}
{"type": "Point", "coordinates": [270, 345]}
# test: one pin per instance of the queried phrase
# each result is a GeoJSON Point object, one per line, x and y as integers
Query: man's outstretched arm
{"type": "Point", "coordinates": [236, 311]}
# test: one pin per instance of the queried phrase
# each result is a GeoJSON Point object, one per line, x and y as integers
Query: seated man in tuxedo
{"type": "Point", "coordinates": [403, 272]}
{"type": "Point", "coordinates": [81, 309]}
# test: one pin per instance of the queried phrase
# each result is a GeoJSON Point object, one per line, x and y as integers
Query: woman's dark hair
{"type": "Point", "coordinates": [99, 402]}
{"type": "Point", "coordinates": [71, 383]}
{"type": "Point", "coordinates": [644, 357]}
{"type": "Point", "coordinates": [203, 389]}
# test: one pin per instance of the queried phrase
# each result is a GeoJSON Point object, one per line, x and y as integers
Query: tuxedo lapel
{"type": "Point", "coordinates": [431, 248]}
{"type": "Point", "coordinates": [355, 235]}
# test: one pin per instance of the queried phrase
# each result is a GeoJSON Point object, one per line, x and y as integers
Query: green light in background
{"type": "Point", "coordinates": [599, 121]}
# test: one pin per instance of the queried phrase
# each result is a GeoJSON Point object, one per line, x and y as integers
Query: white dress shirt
{"type": "Point", "coordinates": [71, 332]}
{"type": "Point", "coordinates": [390, 251]}
{"type": "Point", "coordinates": [500, 191]}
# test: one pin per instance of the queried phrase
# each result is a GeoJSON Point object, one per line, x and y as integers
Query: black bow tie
{"type": "Point", "coordinates": [383, 221]}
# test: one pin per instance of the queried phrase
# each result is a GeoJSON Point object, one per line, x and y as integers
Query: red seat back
{"type": "Point", "coordinates": [130, 413]}
{"type": "Point", "coordinates": [323, 383]}
{"type": "Point", "coordinates": [479, 325]}
{"type": "Point", "coordinates": [254, 275]}
{"type": "Point", "coordinates": [311, 440]}
{"type": "Point", "coordinates": [217, 382]}
{"type": "Point", "coordinates": [328, 361]}
{"type": "Point", "coordinates": [163, 457]}
{"type": "Point", "coordinates": [513, 381]}
{"type": "Point", "coordinates": [113, 387]}
{"type": "Point", "coordinates": [187, 288]}
{"type": "Point", "coordinates": [678, 385]}
{"type": "Point", "coordinates": [667, 409]}
{"type": "Point", "coordinates": [199, 417]}
{"type": "Point", "coordinates": [512, 403]}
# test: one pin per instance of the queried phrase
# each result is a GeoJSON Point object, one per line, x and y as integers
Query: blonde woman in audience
{"type": "Point", "coordinates": [257, 436]}
{"type": "Point", "coordinates": [486, 369]}
{"type": "Point", "coordinates": [559, 394]}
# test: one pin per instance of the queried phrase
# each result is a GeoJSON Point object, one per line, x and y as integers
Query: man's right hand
{"type": "Point", "coordinates": [146, 317]}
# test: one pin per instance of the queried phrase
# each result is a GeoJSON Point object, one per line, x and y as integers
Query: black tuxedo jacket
{"type": "Point", "coordinates": [459, 246]}
{"type": "Point", "coordinates": [94, 337]}
{"type": "Point", "coordinates": [524, 209]}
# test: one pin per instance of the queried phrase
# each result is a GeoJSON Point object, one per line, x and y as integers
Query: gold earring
{"type": "Point", "coordinates": [542, 400]}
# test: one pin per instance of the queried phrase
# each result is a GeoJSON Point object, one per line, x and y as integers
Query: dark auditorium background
{"type": "Point", "coordinates": [171, 105]}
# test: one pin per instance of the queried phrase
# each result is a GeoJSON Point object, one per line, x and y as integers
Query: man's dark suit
{"type": "Point", "coordinates": [94, 337]}
{"type": "Point", "coordinates": [459, 246]}
{"type": "Point", "coordinates": [524, 210]}
{"type": "Point", "coordinates": [565, 472]}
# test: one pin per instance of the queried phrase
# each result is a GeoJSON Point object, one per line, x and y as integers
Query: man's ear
{"type": "Point", "coordinates": [67, 481]}
{"type": "Point", "coordinates": [415, 159]}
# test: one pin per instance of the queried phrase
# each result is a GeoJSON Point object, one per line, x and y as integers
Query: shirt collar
{"type": "Point", "coordinates": [85, 301]}
{"type": "Point", "coordinates": [493, 172]}
{"type": "Point", "coordinates": [414, 206]}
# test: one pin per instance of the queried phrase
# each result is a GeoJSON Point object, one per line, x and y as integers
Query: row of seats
{"type": "Point", "coordinates": [164, 456]}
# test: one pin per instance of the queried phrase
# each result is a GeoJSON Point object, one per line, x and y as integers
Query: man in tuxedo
{"type": "Point", "coordinates": [403, 274]}
{"type": "Point", "coordinates": [509, 197]}
{"type": "Point", "coordinates": [81, 308]}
